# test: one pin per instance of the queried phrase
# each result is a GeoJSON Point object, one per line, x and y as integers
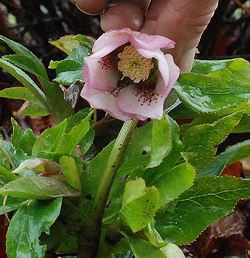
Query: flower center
{"type": "Point", "coordinates": [134, 65]}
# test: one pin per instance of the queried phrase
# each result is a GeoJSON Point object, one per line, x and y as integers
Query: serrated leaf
{"type": "Point", "coordinates": [19, 93]}
{"type": "Point", "coordinates": [27, 64]}
{"type": "Point", "coordinates": [210, 199]}
{"type": "Point", "coordinates": [21, 50]}
{"type": "Point", "coordinates": [22, 140]}
{"type": "Point", "coordinates": [25, 80]}
{"type": "Point", "coordinates": [155, 143]}
{"type": "Point", "coordinates": [69, 71]}
{"type": "Point", "coordinates": [139, 204]}
{"type": "Point", "coordinates": [27, 225]}
{"type": "Point", "coordinates": [200, 140]}
{"type": "Point", "coordinates": [206, 94]}
{"type": "Point", "coordinates": [69, 169]}
{"type": "Point", "coordinates": [39, 187]}
{"type": "Point", "coordinates": [238, 70]}
{"type": "Point", "coordinates": [12, 156]}
{"type": "Point", "coordinates": [49, 139]}
{"type": "Point", "coordinates": [170, 182]}
{"type": "Point", "coordinates": [244, 125]}
{"type": "Point", "coordinates": [66, 43]}
{"type": "Point", "coordinates": [229, 156]}
{"type": "Point", "coordinates": [69, 141]}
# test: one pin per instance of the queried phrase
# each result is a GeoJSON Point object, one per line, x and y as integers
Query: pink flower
{"type": "Point", "coordinates": [128, 75]}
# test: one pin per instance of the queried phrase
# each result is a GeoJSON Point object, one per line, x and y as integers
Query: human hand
{"type": "Point", "coordinates": [182, 21]}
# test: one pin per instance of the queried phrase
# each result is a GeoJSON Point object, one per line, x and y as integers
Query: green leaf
{"type": "Point", "coordinates": [205, 94]}
{"type": "Point", "coordinates": [155, 143]}
{"type": "Point", "coordinates": [69, 169]}
{"type": "Point", "coordinates": [7, 174]}
{"type": "Point", "coordinates": [33, 62]}
{"type": "Point", "coordinates": [11, 156]}
{"type": "Point", "coordinates": [59, 109]}
{"type": "Point", "coordinates": [11, 204]}
{"type": "Point", "coordinates": [244, 125]}
{"type": "Point", "coordinates": [49, 139]}
{"type": "Point", "coordinates": [207, 66]}
{"type": "Point", "coordinates": [142, 248]}
{"type": "Point", "coordinates": [19, 93]}
{"type": "Point", "coordinates": [229, 156]}
{"type": "Point", "coordinates": [39, 165]}
{"type": "Point", "coordinates": [27, 64]}
{"type": "Point", "coordinates": [25, 80]}
{"type": "Point", "coordinates": [237, 70]}
{"type": "Point", "coordinates": [139, 204]}
{"type": "Point", "coordinates": [69, 141]}
{"type": "Point", "coordinates": [69, 42]}
{"type": "Point", "coordinates": [22, 140]}
{"type": "Point", "coordinates": [69, 71]}
{"type": "Point", "coordinates": [210, 199]}
{"type": "Point", "coordinates": [27, 225]}
{"type": "Point", "coordinates": [34, 110]}
{"type": "Point", "coordinates": [39, 187]}
{"type": "Point", "coordinates": [170, 182]}
{"type": "Point", "coordinates": [200, 140]}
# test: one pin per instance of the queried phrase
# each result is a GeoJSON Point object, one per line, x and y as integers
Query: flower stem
{"type": "Point", "coordinates": [101, 196]}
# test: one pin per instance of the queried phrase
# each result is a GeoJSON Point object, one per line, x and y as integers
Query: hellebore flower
{"type": "Point", "coordinates": [128, 75]}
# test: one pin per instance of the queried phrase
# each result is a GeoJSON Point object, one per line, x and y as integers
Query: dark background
{"type": "Point", "coordinates": [34, 23]}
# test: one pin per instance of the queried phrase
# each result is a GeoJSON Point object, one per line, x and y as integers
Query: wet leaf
{"type": "Point", "coordinates": [206, 94]}
{"type": "Point", "coordinates": [26, 226]}
{"type": "Point", "coordinates": [207, 66]}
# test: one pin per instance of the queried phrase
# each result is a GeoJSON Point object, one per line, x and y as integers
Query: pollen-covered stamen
{"type": "Point", "coordinates": [134, 65]}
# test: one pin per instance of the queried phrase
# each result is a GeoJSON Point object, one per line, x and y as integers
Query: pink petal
{"type": "Point", "coordinates": [150, 42]}
{"type": "Point", "coordinates": [174, 73]}
{"type": "Point", "coordinates": [131, 104]}
{"type": "Point", "coordinates": [99, 75]}
{"type": "Point", "coordinates": [112, 39]}
{"type": "Point", "coordinates": [103, 100]}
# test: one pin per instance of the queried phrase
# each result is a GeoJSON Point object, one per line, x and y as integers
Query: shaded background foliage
{"type": "Point", "coordinates": [35, 23]}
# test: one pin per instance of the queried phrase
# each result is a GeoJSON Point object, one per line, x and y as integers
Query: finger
{"type": "Point", "coordinates": [182, 21]}
{"type": "Point", "coordinates": [122, 14]}
{"type": "Point", "coordinates": [91, 6]}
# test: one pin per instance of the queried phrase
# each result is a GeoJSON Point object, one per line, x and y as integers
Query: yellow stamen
{"type": "Point", "coordinates": [134, 65]}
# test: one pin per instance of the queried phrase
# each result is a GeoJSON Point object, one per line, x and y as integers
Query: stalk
{"type": "Point", "coordinates": [102, 193]}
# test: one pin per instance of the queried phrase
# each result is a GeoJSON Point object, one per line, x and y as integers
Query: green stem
{"type": "Point", "coordinates": [102, 193]}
